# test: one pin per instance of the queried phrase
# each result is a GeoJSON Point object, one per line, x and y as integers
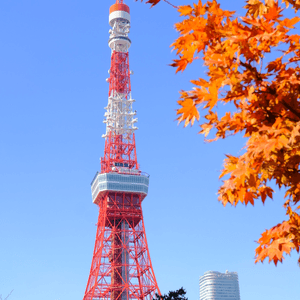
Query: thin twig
{"type": "Point", "coordinates": [7, 295]}
{"type": "Point", "coordinates": [170, 4]}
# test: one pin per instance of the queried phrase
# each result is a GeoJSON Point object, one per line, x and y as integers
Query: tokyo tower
{"type": "Point", "coordinates": [121, 267]}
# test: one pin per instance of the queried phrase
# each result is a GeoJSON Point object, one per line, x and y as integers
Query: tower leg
{"type": "Point", "coordinates": [121, 266]}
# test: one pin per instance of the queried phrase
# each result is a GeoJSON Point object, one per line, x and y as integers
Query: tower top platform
{"type": "Point", "coordinates": [119, 11]}
{"type": "Point", "coordinates": [118, 7]}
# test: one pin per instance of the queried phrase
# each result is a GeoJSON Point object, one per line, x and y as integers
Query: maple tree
{"type": "Point", "coordinates": [265, 99]}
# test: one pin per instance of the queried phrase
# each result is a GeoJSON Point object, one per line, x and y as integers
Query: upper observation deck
{"type": "Point", "coordinates": [128, 181]}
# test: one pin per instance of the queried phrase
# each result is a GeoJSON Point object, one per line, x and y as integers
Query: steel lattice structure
{"type": "Point", "coordinates": [121, 267]}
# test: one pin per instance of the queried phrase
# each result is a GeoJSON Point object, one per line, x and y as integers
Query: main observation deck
{"type": "Point", "coordinates": [135, 182]}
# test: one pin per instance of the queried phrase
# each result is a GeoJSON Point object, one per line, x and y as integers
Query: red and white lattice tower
{"type": "Point", "coordinates": [121, 266]}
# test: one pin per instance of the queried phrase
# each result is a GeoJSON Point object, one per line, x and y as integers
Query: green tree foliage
{"type": "Point", "coordinates": [173, 295]}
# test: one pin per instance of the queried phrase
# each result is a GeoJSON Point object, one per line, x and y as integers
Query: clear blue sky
{"type": "Point", "coordinates": [53, 65]}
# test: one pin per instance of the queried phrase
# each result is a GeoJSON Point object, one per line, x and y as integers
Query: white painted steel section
{"type": "Point", "coordinates": [120, 43]}
{"type": "Point", "coordinates": [119, 14]}
{"type": "Point", "coordinates": [219, 286]}
{"type": "Point", "coordinates": [118, 38]}
{"type": "Point", "coordinates": [120, 117]}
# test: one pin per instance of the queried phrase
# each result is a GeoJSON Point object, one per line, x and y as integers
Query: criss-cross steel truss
{"type": "Point", "coordinates": [121, 266]}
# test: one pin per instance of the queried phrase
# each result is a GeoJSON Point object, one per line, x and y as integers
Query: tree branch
{"type": "Point", "coordinates": [272, 91]}
{"type": "Point", "coordinates": [6, 296]}
{"type": "Point", "coordinates": [294, 111]}
{"type": "Point", "coordinates": [252, 69]}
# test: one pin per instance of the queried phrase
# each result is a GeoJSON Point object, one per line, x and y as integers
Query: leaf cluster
{"type": "Point", "coordinates": [266, 102]}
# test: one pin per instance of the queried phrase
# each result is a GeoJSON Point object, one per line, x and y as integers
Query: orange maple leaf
{"type": "Point", "coordinates": [290, 22]}
{"type": "Point", "coordinates": [273, 12]}
{"type": "Point", "coordinates": [188, 112]}
{"type": "Point", "coordinates": [185, 10]}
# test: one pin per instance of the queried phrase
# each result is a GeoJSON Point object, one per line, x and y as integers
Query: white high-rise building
{"type": "Point", "coordinates": [219, 286]}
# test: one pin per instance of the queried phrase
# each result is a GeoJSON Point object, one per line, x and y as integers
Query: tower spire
{"type": "Point", "coordinates": [121, 266]}
{"type": "Point", "coordinates": [120, 150]}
